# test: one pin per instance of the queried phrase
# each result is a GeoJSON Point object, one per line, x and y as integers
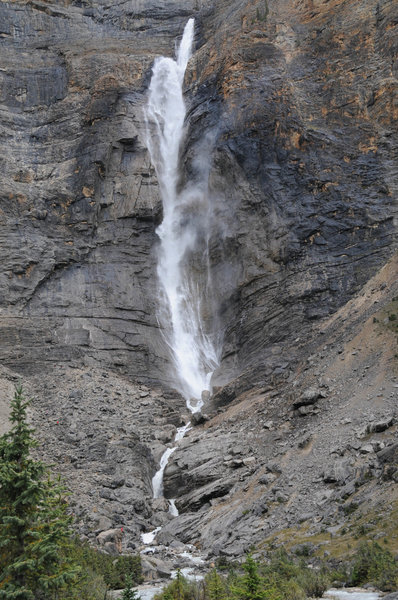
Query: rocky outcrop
{"type": "Point", "coordinates": [105, 436]}
{"type": "Point", "coordinates": [255, 466]}
{"type": "Point", "coordinates": [272, 467]}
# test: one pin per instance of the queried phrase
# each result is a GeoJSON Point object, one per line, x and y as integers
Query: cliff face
{"type": "Point", "coordinates": [300, 101]}
{"type": "Point", "coordinates": [79, 201]}
{"type": "Point", "coordinates": [303, 96]}
{"type": "Point", "coordinates": [293, 109]}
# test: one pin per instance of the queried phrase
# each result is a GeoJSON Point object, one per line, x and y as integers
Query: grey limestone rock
{"type": "Point", "coordinates": [155, 568]}
{"type": "Point", "coordinates": [389, 454]}
{"type": "Point", "coordinates": [309, 397]}
{"type": "Point", "coordinates": [381, 426]}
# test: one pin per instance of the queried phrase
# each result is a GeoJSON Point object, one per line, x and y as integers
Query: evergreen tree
{"type": "Point", "coordinates": [251, 580]}
{"type": "Point", "coordinates": [215, 586]}
{"type": "Point", "coordinates": [34, 526]}
{"type": "Point", "coordinates": [254, 587]}
{"type": "Point", "coordinates": [179, 587]}
{"type": "Point", "coordinates": [128, 592]}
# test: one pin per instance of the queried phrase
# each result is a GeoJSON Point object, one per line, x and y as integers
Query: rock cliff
{"type": "Point", "coordinates": [294, 104]}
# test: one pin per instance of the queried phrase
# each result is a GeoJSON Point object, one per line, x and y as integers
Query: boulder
{"type": "Point", "coordinates": [200, 496]}
{"type": "Point", "coordinates": [388, 454]}
{"type": "Point", "coordinates": [380, 426]}
{"type": "Point", "coordinates": [199, 418]}
{"type": "Point", "coordinates": [155, 568]}
{"type": "Point", "coordinates": [111, 536]}
{"type": "Point", "coordinates": [392, 596]}
{"type": "Point", "coordinates": [366, 449]}
{"type": "Point", "coordinates": [339, 472]}
{"type": "Point", "coordinates": [267, 478]}
{"type": "Point", "coordinates": [309, 396]}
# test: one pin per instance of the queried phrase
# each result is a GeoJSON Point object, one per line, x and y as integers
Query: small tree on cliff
{"type": "Point", "coordinates": [34, 527]}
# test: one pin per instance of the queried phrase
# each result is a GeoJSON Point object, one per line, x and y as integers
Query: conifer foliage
{"type": "Point", "coordinates": [34, 526]}
{"type": "Point", "coordinates": [128, 592]}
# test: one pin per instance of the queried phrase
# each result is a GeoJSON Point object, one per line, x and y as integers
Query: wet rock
{"type": "Point", "coordinates": [166, 537]}
{"type": "Point", "coordinates": [206, 395]}
{"type": "Point", "coordinates": [160, 504]}
{"type": "Point", "coordinates": [155, 568]}
{"type": "Point", "coordinates": [224, 395]}
{"type": "Point", "coordinates": [200, 496]}
{"type": "Point", "coordinates": [392, 596]}
{"type": "Point", "coordinates": [199, 418]}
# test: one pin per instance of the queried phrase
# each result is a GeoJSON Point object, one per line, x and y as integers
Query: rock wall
{"type": "Point", "coordinates": [298, 99]}
{"type": "Point", "coordinates": [302, 97]}
{"type": "Point", "coordinates": [79, 202]}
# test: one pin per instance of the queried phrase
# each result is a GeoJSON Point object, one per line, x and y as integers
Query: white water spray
{"type": "Point", "coordinates": [183, 258]}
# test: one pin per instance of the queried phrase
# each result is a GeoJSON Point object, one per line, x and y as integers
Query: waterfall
{"type": "Point", "coordinates": [183, 265]}
{"type": "Point", "coordinates": [157, 479]}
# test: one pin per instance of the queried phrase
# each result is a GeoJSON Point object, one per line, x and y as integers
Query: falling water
{"type": "Point", "coordinates": [183, 257]}
{"type": "Point", "coordinates": [157, 480]}
{"type": "Point", "coordinates": [183, 266]}
{"type": "Point", "coordinates": [157, 483]}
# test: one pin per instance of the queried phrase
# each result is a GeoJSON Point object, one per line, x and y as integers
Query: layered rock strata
{"type": "Point", "coordinates": [298, 100]}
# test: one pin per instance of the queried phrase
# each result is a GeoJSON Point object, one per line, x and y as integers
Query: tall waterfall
{"type": "Point", "coordinates": [183, 265]}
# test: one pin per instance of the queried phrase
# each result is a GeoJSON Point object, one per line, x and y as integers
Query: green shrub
{"type": "Point", "coordinates": [313, 583]}
{"type": "Point", "coordinates": [179, 589]}
{"type": "Point", "coordinates": [102, 571]}
{"type": "Point", "coordinates": [374, 564]}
